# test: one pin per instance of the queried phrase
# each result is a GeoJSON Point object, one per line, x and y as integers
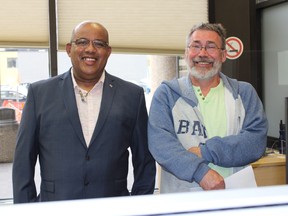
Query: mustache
{"type": "Point", "coordinates": [203, 59]}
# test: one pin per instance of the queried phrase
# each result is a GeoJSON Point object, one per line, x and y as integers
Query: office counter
{"type": "Point", "coordinates": [270, 200]}
{"type": "Point", "coordinates": [270, 170]}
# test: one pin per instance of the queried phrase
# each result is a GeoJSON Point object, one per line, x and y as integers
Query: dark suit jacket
{"type": "Point", "coordinates": [51, 128]}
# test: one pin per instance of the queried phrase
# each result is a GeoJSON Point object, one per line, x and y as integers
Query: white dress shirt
{"type": "Point", "coordinates": [88, 104]}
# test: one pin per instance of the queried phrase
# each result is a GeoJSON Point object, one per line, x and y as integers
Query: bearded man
{"type": "Point", "coordinates": [206, 126]}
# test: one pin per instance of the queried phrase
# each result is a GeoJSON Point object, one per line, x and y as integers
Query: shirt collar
{"type": "Point", "coordinates": [101, 80]}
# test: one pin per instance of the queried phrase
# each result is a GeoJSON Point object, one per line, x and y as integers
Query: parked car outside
{"type": "Point", "coordinates": [13, 99]}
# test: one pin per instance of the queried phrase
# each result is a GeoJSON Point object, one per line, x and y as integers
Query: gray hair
{"type": "Point", "coordinates": [216, 27]}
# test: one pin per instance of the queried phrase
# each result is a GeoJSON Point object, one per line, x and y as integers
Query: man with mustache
{"type": "Point", "coordinates": [205, 126]}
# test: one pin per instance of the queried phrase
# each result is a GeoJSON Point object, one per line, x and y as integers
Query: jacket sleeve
{"type": "Point", "coordinates": [164, 144]}
{"type": "Point", "coordinates": [249, 144]}
{"type": "Point", "coordinates": [143, 163]}
{"type": "Point", "coordinates": [24, 189]}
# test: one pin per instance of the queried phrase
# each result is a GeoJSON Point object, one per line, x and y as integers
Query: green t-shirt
{"type": "Point", "coordinates": [213, 110]}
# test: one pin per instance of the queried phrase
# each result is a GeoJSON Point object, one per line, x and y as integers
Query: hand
{"type": "Point", "coordinates": [212, 181]}
{"type": "Point", "coordinates": [195, 150]}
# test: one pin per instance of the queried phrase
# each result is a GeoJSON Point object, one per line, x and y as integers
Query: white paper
{"type": "Point", "coordinates": [245, 178]}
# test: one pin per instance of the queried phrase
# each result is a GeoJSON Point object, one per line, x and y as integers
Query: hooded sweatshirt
{"type": "Point", "coordinates": [176, 124]}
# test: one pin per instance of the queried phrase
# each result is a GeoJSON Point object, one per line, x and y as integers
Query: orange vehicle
{"type": "Point", "coordinates": [13, 99]}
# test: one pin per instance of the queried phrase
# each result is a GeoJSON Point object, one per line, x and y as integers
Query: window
{"type": "Point", "coordinates": [11, 62]}
{"type": "Point", "coordinates": [23, 66]}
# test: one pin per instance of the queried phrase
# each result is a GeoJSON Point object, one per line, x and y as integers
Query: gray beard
{"type": "Point", "coordinates": [202, 75]}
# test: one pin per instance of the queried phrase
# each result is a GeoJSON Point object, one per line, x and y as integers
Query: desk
{"type": "Point", "coordinates": [270, 170]}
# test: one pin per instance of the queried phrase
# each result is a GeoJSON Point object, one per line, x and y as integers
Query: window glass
{"type": "Point", "coordinates": [275, 64]}
{"type": "Point", "coordinates": [18, 68]}
{"type": "Point", "coordinates": [11, 62]}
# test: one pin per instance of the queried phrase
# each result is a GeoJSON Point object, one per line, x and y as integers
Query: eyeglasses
{"type": "Point", "coordinates": [210, 48]}
{"type": "Point", "coordinates": [84, 43]}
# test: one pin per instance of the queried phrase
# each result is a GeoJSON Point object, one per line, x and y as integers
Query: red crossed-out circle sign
{"type": "Point", "coordinates": [234, 47]}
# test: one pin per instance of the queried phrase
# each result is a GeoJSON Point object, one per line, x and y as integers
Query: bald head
{"type": "Point", "coordinates": [93, 25]}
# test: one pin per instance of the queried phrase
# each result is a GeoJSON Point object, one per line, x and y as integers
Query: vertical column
{"type": "Point", "coordinates": [162, 68]}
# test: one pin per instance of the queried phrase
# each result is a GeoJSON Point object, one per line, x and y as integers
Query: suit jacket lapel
{"type": "Point", "coordinates": [109, 90]}
{"type": "Point", "coordinates": [67, 90]}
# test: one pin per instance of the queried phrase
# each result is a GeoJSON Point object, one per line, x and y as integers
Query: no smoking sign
{"type": "Point", "coordinates": [234, 47]}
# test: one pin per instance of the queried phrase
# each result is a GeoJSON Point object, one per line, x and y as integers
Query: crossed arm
{"type": "Point", "coordinates": [211, 180]}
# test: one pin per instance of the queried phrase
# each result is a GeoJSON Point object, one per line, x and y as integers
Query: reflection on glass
{"type": "Point", "coordinates": [18, 68]}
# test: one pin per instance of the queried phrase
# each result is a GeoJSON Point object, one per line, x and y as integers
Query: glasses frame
{"type": "Point", "coordinates": [206, 48]}
{"type": "Point", "coordinates": [98, 44]}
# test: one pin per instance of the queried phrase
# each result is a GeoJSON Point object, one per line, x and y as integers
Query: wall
{"type": "Point", "coordinates": [239, 19]}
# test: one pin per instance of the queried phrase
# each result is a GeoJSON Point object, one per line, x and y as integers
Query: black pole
{"type": "Point", "coordinates": [53, 43]}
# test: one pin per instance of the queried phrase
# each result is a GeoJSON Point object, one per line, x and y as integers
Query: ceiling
{"type": "Point", "coordinates": [135, 26]}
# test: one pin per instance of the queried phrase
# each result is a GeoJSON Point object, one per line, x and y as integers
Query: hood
{"type": "Point", "coordinates": [183, 87]}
